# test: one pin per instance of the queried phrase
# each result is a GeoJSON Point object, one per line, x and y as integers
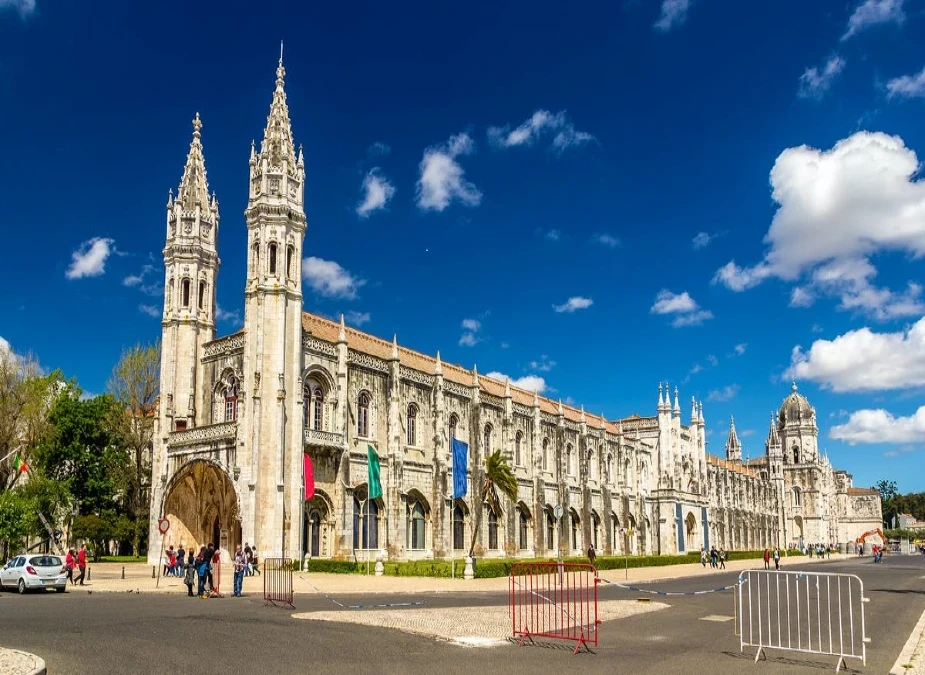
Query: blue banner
{"type": "Point", "coordinates": [460, 468]}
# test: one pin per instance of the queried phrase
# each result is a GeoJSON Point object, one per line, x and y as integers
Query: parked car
{"type": "Point", "coordinates": [32, 572]}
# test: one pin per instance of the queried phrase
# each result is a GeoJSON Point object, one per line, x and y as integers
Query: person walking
{"type": "Point", "coordinates": [592, 554]}
{"type": "Point", "coordinates": [767, 558]}
{"type": "Point", "coordinates": [240, 563]}
{"type": "Point", "coordinates": [70, 562]}
{"type": "Point", "coordinates": [202, 564]}
{"type": "Point", "coordinates": [189, 575]}
{"type": "Point", "coordinates": [722, 558]}
{"type": "Point", "coordinates": [776, 558]}
{"type": "Point", "coordinates": [81, 564]}
{"type": "Point", "coordinates": [703, 556]}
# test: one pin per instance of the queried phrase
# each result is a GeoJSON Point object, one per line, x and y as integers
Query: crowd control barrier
{"type": "Point", "coordinates": [554, 600]}
{"type": "Point", "coordinates": [809, 612]}
{"type": "Point", "coordinates": [277, 582]}
{"type": "Point", "coordinates": [216, 591]}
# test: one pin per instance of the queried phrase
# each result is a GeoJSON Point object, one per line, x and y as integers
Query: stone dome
{"type": "Point", "coordinates": [795, 408]}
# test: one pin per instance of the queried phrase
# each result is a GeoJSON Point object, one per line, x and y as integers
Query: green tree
{"type": "Point", "coordinates": [134, 384]}
{"type": "Point", "coordinates": [95, 529]}
{"type": "Point", "coordinates": [888, 496]}
{"type": "Point", "coordinates": [15, 519]}
{"type": "Point", "coordinates": [497, 477]}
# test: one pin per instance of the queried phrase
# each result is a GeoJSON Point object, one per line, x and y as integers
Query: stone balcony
{"type": "Point", "coordinates": [324, 439]}
{"type": "Point", "coordinates": [180, 441]}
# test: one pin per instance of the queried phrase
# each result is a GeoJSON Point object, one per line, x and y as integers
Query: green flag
{"type": "Point", "coordinates": [375, 486]}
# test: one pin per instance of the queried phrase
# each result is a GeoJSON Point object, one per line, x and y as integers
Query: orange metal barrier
{"type": "Point", "coordinates": [277, 582]}
{"type": "Point", "coordinates": [554, 600]}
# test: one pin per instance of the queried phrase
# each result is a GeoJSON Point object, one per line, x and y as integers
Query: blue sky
{"type": "Point", "coordinates": [595, 198]}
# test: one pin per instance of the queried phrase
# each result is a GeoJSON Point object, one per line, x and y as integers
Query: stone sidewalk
{"type": "Point", "coordinates": [911, 660]}
{"type": "Point", "coordinates": [15, 662]}
{"type": "Point", "coordinates": [107, 578]}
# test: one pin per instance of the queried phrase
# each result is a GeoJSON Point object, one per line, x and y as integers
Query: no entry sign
{"type": "Point", "coordinates": [163, 525]}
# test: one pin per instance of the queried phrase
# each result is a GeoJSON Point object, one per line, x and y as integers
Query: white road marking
{"type": "Point", "coordinates": [716, 617]}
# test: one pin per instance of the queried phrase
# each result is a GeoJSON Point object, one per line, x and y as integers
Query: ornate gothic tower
{"type": "Point", "coordinates": [191, 267]}
{"type": "Point", "coordinates": [776, 469]}
{"type": "Point", "coordinates": [273, 440]}
{"type": "Point", "coordinates": [733, 445]}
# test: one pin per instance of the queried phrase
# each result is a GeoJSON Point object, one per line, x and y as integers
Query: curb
{"type": "Point", "coordinates": [36, 665]}
{"type": "Point", "coordinates": [907, 655]}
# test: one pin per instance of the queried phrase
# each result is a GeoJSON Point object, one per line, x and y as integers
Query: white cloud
{"type": "Point", "coordinates": [725, 394]}
{"type": "Point", "coordinates": [138, 279]}
{"type": "Point", "coordinates": [539, 124]}
{"type": "Point", "coordinates": [553, 235]}
{"type": "Point", "coordinates": [605, 239]}
{"type": "Point", "coordinates": [816, 81]}
{"type": "Point", "coordinates": [880, 426]}
{"type": "Point", "coordinates": [377, 191]}
{"type": "Point", "coordinates": [442, 179]}
{"type": "Point", "coordinates": [357, 318]}
{"type": "Point", "coordinates": [228, 316]}
{"type": "Point", "coordinates": [685, 310]}
{"type": "Point", "coordinates": [713, 360]}
{"type": "Point", "coordinates": [837, 208]}
{"type": "Point", "coordinates": [378, 149]}
{"type": "Point", "coordinates": [5, 347]}
{"type": "Point", "coordinates": [674, 13]}
{"type": "Point", "coordinates": [907, 86]}
{"type": "Point", "coordinates": [862, 360]}
{"type": "Point", "coordinates": [544, 364]}
{"type": "Point", "coordinates": [573, 304]}
{"type": "Point", "coordinates": [89, 260]}
{"type": "Point", "coordinates": [25, 8]}
{"type": "Point", "coordinates": [150, 310]}
{"type": "Point", "coordinates": [702, 239]}
{"type": "Point", "coordinates": [329, 279]}
{"type": "Point", "coordinates": [469, 338]}
{"type": "Point", "coordinates": [740, 348]}
{"type": "Point", "coordinates": [527, 382]}
{"type": "Point", "coordinates": [873, 12]}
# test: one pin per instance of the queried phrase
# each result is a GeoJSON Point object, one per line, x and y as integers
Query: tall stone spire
{"type": "Point", "coordinates": [677, 405]}
{"type": "Point", "coordinates": [438, 369]}
{"type": "Point", "coordinates": [661, 401]}
{"type": "Point", "coordinates": [194, 186]}
{"type": "Point", "coordinates": [277, 145]}
{"type": "Point", "coordinates": [733, 446]}
{"type": "Point", "coordinates": [694, 418]}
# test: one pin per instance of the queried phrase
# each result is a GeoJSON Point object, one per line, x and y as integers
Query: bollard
{"type": "Point", "coordinates": [88, 573]}
{"type": "Point", "coordinates": [152, 571]}
{"type": "Point", "coordinates": [123, 571]}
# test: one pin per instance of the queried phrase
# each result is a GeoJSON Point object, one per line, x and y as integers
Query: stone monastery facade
{"type": "Point", "coordinates": [237, 413]}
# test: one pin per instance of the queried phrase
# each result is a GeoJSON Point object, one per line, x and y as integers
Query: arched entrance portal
{"type": "Point", "coordinates": [691, 538]}
{"type": "Point", "coordinates": [202, 507]}
{"type": "Point", "coordinates": [317, 527]}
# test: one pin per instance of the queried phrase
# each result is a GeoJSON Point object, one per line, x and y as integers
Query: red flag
{"type": "Point", "coordinates": [309, 476]}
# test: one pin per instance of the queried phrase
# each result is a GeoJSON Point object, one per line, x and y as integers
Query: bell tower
{"type": "Point", "coordinates": [276, 223]}
{"type": "Point", "coordinates": [191, 268]}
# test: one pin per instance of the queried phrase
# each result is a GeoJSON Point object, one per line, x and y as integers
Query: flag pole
{"type": "Point", "coordinates": [367, 532]}
{"type": "Point", "coordinates": [452, 515]}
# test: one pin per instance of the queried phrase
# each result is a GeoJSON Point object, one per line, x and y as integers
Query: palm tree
{"type": "Point", "coordinates": [497, 477]}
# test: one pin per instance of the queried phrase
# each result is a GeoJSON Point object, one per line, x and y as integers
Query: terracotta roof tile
{"type": "Point", "coordinates": [862, 491]}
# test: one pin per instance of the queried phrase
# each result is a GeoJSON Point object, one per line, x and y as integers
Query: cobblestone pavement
{"type": "Point", "coordinates": [911, 660]}
{"type": "Point", "coordinates": [15, 662]}
{"type": "Point", "coordinates": [476, 626]}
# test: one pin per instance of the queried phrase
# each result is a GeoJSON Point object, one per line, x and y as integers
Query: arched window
{"type": "Point", "coordinates": [318, 409]}
{"type": "Point", "coordinates": [459, 531]}
{"type": "Point", "coordinates": [415, 526]}
{"type": "Point", "coordinates": [492, 530]}
{"type": "Point", "coordinates": [518, 441]}
{"type": "Point", "coordinates": [231, 401]}
{"type": "Point", "coordinates": [290, 255]}
{"type": "Point", "coordinates": [524, 530]}
{"type": "Point", "coordinates": [550, 531]}
{"type": "Point", "coordinates": [487, 447]}
{"type": "Point", "coordinates": [608, 468]}
{"type": "Point", "coordinates": [202, 295]}
{"type": "Point", "coordinates": [271, 255]}
{"type": "Point", "coordinates": [365, 524]}
{"type": "Point", "coordinates": [184, 293]}
{"type": "Point", "coordinates": [568, 460]}
{"type": "Point", "coordinates": [411, 429]}
{"type": "Point", "coordinates": [796, 454]}
{"type": "Point", "coordinates": [797, 497]}
{"type": "Point", "coordinates": [454, 422]}
{"type": "Point", "coordinates": [545, 454]}
{"type": "Point", "coordinates": [574, 531]}
{"type": "Point", "coordinates": [595, 530]}
{"type": "Point", "coordinates": [255, 258]}
{"type": "Point", "coordinates": [363, 416]}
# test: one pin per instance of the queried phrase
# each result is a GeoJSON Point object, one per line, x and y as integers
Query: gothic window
{"type": "Point", "coordinates": [545, 454]}
{"type": "Point", "coordinates": [458, 528]}
{"type": "Point", "coordinates": [231, 401]}
{"type": "Point", "coordinates": [180, 425]}
{"type": "Point", "coordinates": [318, 409]}
{"type": "Point", "coordinates": [415, 526]}
{"type": "Point", "coordinates": [518, 441]}
{"type": "Point", "coordinates": [290, 254]}
{"type": "Point", "coordinates": [574, 531]}
{"type": "Point", "coordinates": [492, 530]}
{"type": "Point", "coordinates": [608, 468]}
{"type": "Point", "coordinates": [797, 497]}
{"type": "Point", "coordinates": [411, 429]}
{"type": "Point", "coordinates": [271, 255]}
{"type": "Point", "coordinates": [363, 416]}
{"type": "Point", "coordinates": [454, 422]}
{"type": "Point", "coordinates": [202, 295]}
{"type": "Point", "coordinates": [550, 530]}
{"type": "Point", "coordinates": [487, 447]}
{"type": "Point", "coordinates": [596, 528]}
{"type": "Point", "coordinates": [255, 258]}
{"type": "Point", "coordinates": [185, 293]}
{"type": "Point", "coordinates": [592, 466]}
{"type": "Point", "coordinates": [524, 530]}
{"type": "Point", "coordinates": [568, 460]}
{"type": "Point", "coordinates": [365, 524]}
{"type": "Point", "coordinates": [796, 455]}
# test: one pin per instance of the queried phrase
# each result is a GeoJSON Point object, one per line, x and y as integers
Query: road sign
{"type": "Point", "coordinates": [163, 525]}
{"type": "Point", "coordinates": [558, 511]}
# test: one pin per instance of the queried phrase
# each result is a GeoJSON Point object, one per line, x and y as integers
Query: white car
{"type": "Point", "coordinates": [32, 572]}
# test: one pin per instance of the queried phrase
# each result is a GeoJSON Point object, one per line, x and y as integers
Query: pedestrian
{"type": "Point", "coordinates": [69, 563]}
{"type": "Point", "coordinates": [240, 562]}
{"type": "Point", "coordinates": [201, 566]}
{"type": "Point", "coordinates": [190, 574]}
{"type": "Point", "coordinates": [703, 556]}
{"type": "Point", "coordinates": [713, 556]}
{"type": "Point", "coordinates": [249, 555]}
{"type": "Point", "coordinates": [254, 553]}
{"type": "Point", "coordinates": [181, 561]}
{"type": "Point", "coordinates": [81, 564]}
{"type": "Point", "coordinates": [210, 558]}
{"type": "Point", "coordinates": [591, 554]}
{"type": "Point", "coordinates": [722, 558]}
{"type": "Point", "coordinates": [767, 558]}
{"type": "Point", "coordinates": [776, 558]}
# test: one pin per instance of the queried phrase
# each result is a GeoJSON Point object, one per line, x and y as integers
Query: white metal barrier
{"type": "Point", "coordinates": [810, 612]}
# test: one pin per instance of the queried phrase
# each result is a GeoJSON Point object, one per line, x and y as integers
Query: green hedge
{"type": "Point", "coordinates": [490, 568]}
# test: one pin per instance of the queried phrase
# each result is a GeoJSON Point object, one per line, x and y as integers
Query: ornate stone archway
{"type": "Point", "coordinates": [201, 504]}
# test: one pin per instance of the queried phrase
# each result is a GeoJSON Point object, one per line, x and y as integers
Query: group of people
{"type": "Point", "coordinates": [197, 568]}
{"type": "Point", "coordinates": [717, 557]}
{"type": "Point", "coordinates": [78, 560]}
{"type": "Point", "coordinates": [767, 558]}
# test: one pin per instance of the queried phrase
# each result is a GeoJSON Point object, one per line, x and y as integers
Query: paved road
{"type": "Point", "coordinates": [128, 633]}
